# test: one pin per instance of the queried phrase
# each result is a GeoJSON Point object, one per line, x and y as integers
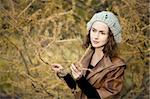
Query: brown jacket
{"type": "Point", "coordinates": [106, 77]}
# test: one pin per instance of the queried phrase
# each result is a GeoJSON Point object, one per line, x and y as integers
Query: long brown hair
{"type": "Point", "coordinates": [110, 48]}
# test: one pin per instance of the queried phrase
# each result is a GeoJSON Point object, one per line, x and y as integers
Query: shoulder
{"type": "Point", "coordinates": [117, 61]}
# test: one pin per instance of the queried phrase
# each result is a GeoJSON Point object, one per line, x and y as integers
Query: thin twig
{"type": "Point", "coordinates": [12, 6]}
{"type": "Point", "coordinates": [143, 28]}
{"type": "Point", "coordinates": [42, 59]}
{"type": "Point", "coordinates": [68, 40]}
{"type": "Point", "coordinates": [39, 83]}
{"type": "Point", "coordinates": [55, 16]}
{"type": "Point", "coordinates": [26, 8]}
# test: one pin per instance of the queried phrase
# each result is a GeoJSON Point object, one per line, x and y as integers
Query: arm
{"type": "Point", "coordinates": [87, 88]}
{"type": "Point", "coordinates": [61, 73]}
{"type": "Point", "coordinates": [70, 81]}
{"type": "Point", "coordinates": [83, 84]}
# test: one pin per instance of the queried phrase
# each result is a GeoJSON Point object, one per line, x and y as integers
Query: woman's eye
{"type": "Point", "coordinates": [93, 30]}
{"type": "Point", "coordinates": [103, 33]}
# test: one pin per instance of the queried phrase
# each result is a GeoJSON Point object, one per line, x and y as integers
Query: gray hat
{"type": "Point", "coordinates": [111, 20]}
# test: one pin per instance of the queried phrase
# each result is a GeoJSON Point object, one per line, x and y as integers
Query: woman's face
{"type": "Point", "coordinates": [99, 34]}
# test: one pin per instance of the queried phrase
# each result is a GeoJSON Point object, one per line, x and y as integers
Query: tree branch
{"type": "Point", "coordinates": [21, 54]}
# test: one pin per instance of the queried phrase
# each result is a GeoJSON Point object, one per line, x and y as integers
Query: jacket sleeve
{"type": "Point", "coordinates": [112, 84]}
{"type": "Point", "coordinates": [70, 81]}
{"type": "Point", "coordinates": [83, 84]}
{"type": "Point", "coordinates": [87, 88]}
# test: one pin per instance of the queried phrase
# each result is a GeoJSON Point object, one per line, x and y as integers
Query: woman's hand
{"type": "Point", "coordinates": [76, 73]}
{"type": "Point", "coordinates": [57, 68]}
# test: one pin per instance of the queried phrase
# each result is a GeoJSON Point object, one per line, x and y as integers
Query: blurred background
{"type": "Point", "coordinates": [37, 33]}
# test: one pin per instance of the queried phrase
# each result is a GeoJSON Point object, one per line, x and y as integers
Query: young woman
{"type": "Point", "coordinates": [99, 74]}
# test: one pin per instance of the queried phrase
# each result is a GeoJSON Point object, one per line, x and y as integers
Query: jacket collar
{"type": "Point", "coordinates": [104, 63]}
{"type": "Point", "coordinates": [85, 61]}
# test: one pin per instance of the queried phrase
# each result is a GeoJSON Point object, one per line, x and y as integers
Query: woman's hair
{"type": "Point", "coordinates": [110, 48]}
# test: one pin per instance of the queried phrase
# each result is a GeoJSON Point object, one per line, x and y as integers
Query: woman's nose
{"type": "Point", "coordinates": [96, 35]}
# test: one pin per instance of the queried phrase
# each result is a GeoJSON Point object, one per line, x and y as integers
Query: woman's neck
{"type": "Point", "coordinates": [97, 56]}
{"type": "Point", "coordinates": [99, 51]}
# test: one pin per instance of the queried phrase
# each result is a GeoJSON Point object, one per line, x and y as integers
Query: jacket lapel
{"type": "Point", "coordinates": [104, 63]}
{"type": "Point", "coordinates": [85, 60]}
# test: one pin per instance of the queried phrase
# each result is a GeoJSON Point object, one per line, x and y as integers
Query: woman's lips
{"type": "Point", "coordinates": [95, 42]}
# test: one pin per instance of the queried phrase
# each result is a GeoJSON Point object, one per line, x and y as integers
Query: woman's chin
{"type": "Point", "coordinates": [96, 46]}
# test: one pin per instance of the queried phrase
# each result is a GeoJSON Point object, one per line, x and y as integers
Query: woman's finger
{"type": "Point", "coordinates": [75, 74]}
{"type": "Point", "coordinates": [74, 68]}
{"type": "Point", "coordinates": [56, 67]}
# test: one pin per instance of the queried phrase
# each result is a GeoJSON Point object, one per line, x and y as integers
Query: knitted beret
{"type": "Point", "coordinates": [110, 20]}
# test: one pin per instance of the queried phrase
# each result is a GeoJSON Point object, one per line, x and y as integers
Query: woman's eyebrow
{"type": "Point", "coordinates": [96, 29]}
{"type": "Point", "coordinates": [93, 28]}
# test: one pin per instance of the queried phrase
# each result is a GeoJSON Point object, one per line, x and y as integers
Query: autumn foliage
{"type": "Point", "coordinates": [37, 33]}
